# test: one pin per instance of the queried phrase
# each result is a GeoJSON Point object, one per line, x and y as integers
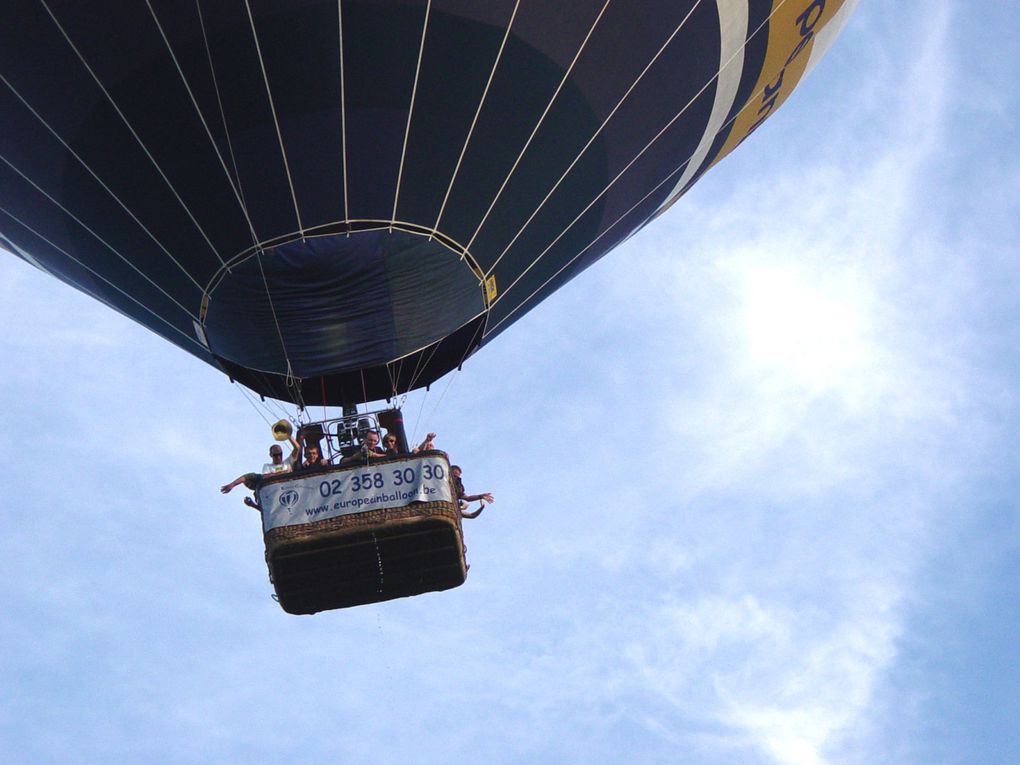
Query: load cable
{"type": "Point", "coordinates": [627, 167]}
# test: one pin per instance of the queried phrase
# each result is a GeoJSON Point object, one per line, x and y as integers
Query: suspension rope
{"type": "Point", "coordinates": [541, 119]}
{"type": "Point", "coordinates": [750, 102]}
{"type": "Point", "coordinates": [238, 193]}
{"type": "Point", "coordinates": [133, 132]}
{"type": "Point", "coordinates": [478, 111]}
{"type": "Point", "coordinates": [257, 248]}
{"type": "Point", "coordinates": [393, 383]}
{"type": "Point", "coordinates": [421, 407]}
{"type": "Point", "coordinates": [493, 328]}
{"type": "Point", "coordinates": [276, 122]}
{"type": "Point", "coordinates": [420, 368]}
{"type": "Point", "coordinates": [255, 406]}
{"type": "Point", "coordinates": [453, 375]}
{"type": "Point", "coordinates": [343, 106]}
{"type": "Point", "coordinates": [292, 383]}
{"type": "Point", "coordinates": [102, 241]}
{"type": "Point", "coordinates": [410, 109]}
{"type": "Point", "coordinates": [280, 409]}
{"type": "Point", "coordinates": [102, 278]}
{"type": "Point", "coordinates": [595, 135]}
{"type": "Point", "coordinates": [98, 180]}
{"type": "Point", "coordinates": [414, 374]}
{"type": "Point", "coordinates": [400, 370]}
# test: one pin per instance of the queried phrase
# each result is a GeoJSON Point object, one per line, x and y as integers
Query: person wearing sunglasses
{"type": "Point", "coordinates": [277, 464]}
{"type": "Point", "coordinates": [390, 446]}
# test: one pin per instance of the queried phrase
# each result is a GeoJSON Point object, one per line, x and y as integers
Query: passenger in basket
{"type": "Point", "coordinates": [426, 445]}
{"type": "Point", "coordinates": [277, 463]}
{"type": "Point", "coordinates": [369, 448]}
{"type": "Point", "coordinates": [250, 481]}
{"type": "Point", "coordinates": [313, 458]}
{"type": "Point", "coordinates": [463, 498]}
{"type": "Point", "coordinates": [390, 448]}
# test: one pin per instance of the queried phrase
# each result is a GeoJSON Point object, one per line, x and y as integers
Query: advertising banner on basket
{"type": "Point", "coordinates": [310, 497]}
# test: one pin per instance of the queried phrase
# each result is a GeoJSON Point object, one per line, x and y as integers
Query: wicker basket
{"type": "Point", "coordinates": [366, 557]}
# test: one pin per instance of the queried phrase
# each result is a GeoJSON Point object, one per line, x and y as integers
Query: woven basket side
{"type": "Point", "coordinates": [345, 524]}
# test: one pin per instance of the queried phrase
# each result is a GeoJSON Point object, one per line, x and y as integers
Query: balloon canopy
{"type": "Point", "coordinates": [334, 202]}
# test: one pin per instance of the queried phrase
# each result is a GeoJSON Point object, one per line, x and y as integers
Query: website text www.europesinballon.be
{"type": "Point", "coordinates": [343, 504]}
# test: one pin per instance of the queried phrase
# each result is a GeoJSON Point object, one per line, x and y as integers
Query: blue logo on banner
{"type": "Point", "coordinates": [289, 498]}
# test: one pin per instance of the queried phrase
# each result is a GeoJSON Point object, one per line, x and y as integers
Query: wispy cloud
{"type": "Point", "coordinates": [808, 463]}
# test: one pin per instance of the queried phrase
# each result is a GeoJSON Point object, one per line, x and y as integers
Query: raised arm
{"type": "Point", "coordinates": [295, 452]}
{"type": "Point", "coordinates": [425, 445]}
{"type": "Point", "coordinates": [236, 482]}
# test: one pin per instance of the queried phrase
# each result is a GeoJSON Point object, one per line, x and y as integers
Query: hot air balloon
{"type": "Point", "coordinates": [337, 202]}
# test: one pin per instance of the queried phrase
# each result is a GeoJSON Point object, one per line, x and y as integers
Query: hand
{"type": "Point", "coordinates": [226, 488]}
{"type": "Point", "coordinates": [488, 497]}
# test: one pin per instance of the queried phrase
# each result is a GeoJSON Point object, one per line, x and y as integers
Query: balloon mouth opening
{"type": "Point", "coordinates": [336, 303]}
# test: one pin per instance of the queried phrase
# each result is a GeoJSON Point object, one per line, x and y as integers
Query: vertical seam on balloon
{"type": "Point", "coordinates": [718, 107]}
{"type": "Point", "coordinates": [723, 151]}
{"type": "Point", "coordinates": [169, 297]}
{"type": "Point", "coordinates": [474, 121]}
{"type": "Point", "coordinates": [296, 389]}
{"type": "Point", "coordinates": [99, 276]}
{"type": "Point", "coordinates": [343, 109]}
{"type": "Point", "coordinates": [272, 109]}
{"type": "Point", "coordinates": [586, 248]}
{"type": "Point", "coordinates": [223, 114]}
{"type": "Point", "coordinates": [131, 129]}
{"type": "Point", "coordinates": [410, 110]}
{"type": "Point", "coordinates": [596, 134]}
{"type": "Point", "coordinates": [616, 178]}
{"type": "Point", "coordinates": [99, 180]}
{"type": "Point", "coordinates": [279, 330]}
{"type": "Point", "coordinates": [201, 117]}
{"type": "Point", "coordinates": [541, 119]}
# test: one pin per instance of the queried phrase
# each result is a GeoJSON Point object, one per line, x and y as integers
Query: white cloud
{"type": "Point", "coordinates": [823, 411]}
{"type": "Point", "coordinates": [705, 541]}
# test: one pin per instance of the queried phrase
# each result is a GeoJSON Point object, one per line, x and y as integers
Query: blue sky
{"type": "Point", "coordinates": [755, 478]}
